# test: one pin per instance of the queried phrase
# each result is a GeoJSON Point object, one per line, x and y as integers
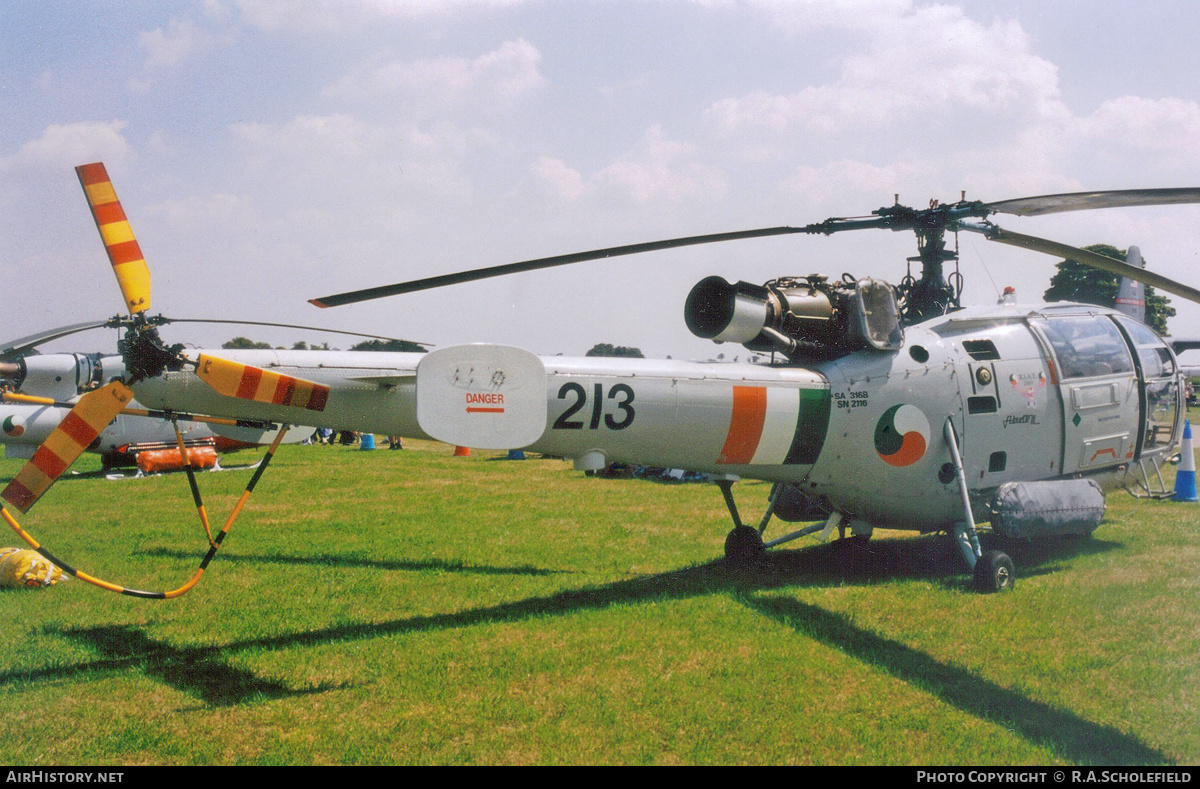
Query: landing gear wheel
{"type": "Point", "coordinates": [743, 545]}
{"type": "Point", "coordinates": [994, 572]}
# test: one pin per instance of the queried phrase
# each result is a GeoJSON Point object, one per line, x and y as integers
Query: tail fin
{"type": "Point", "coordinates": [1131, 295]}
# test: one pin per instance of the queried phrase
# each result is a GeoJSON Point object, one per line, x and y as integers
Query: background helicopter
{"type": "Point", "coordinates": [47, 387]}
{"type": "Point", "coordinates": [131, 440]}
{"type": "Point", "coordinates": [884, 407]}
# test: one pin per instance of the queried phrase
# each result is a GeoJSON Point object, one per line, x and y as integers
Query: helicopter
{"type": "Point", "coordinates": [130, 440]}
{"type": "Point", "coordinates": [47, 388]}
{"type": "Point", "coordinates": [883, 407]}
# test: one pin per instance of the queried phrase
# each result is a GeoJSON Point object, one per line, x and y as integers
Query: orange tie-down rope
{"type": "Point", "coordinates": [214, 543]}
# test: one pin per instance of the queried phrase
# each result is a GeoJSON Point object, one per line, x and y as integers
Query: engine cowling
{"type": "Point", "coordinates": [805, 318]}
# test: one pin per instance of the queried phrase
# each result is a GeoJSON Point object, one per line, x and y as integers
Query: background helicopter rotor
{"type": "Point", "coordinates": [15, 349]}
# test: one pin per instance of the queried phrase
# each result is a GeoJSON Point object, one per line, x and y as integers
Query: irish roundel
{"type": "Point", "coordinates": [902, 435]}
{"type": "Point", "coordinates": [13, 426]}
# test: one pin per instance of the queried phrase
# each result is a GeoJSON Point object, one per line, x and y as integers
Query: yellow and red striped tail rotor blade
{"type": "Point", "coordinates": [65, 443]}
{"type": "Point", "coordinates": [133, 275]}
{"type": "Point", "coordinates": [243, 381]}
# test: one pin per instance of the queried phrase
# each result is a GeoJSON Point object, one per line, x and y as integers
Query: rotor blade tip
{"type": "Point", "coordinates": [92, 173]}
{"type": "Point", "coordinates": [318, 303]}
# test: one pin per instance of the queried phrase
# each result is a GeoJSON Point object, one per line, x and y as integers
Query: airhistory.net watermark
{"type": "Point", "coordinates": [62, 777]}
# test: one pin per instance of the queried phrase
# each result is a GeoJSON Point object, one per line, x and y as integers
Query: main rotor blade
{"type": "Point", "coordinates": [65, 444]}
{"type": "Point", "coordinates": [17, 348]}
{"type": "Point", "coordinates": [1093, 259]}
{"type": "Point", "coordinates": [133, 275]}
{"type": "Point", "coordinates": [1086, 201]}
{"type": "Point", "coordinates": [442, 280]}
{"type": "Point", "coordinates": [895, 219]}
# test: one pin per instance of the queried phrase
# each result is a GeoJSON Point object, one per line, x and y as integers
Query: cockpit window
{"type": "Point", "coordinates": [1140, 332]}
{"type": "Point", "coordinates": [1162, 390]}
{"type": "Point", "coordinates": [1087, 345]}
{"type": "Point", "coordinates": [1153, 355]}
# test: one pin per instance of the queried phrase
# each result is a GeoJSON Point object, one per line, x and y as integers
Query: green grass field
{"type": "Point", "coordinates": [417, 608]}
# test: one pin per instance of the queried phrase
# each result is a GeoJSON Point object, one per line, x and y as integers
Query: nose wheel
{"type": "Point", "coordinates": [994, 572]}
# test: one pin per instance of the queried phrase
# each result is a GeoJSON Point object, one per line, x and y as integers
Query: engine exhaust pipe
{"type": "Point", "coordinates": [719, 311]}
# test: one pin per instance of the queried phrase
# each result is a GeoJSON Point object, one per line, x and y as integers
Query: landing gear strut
{"type": "Point", "coordinates": [993, 570]}
{"type": "Point", "coordinates": [745, 543]}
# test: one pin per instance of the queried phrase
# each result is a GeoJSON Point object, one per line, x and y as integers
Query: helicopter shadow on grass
{"type": "Point", "coordinates": [200, 672]}
{"type": "Point", "coordinates": [852, 562]}
{"type": "Point", "coordinates": [933, 558]}
{"type": "Point", "coordinates": [203, 672]}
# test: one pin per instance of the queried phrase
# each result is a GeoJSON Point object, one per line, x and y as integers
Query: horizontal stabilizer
{"type": "Point", "coordinates": [482, 396]}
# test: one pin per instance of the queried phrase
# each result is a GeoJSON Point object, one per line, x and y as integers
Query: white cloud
{"type": "Point", "coordinates": [805, 16]}
{"type": "Point", "coordinates": [663, 169]}
{"type": "Point", "coordinates": [1169, 124]}
{"type": "Point", "coordinates": [831, 183]}
{"type": "Point", "coordinates": [561, 180]}
{"type": "Point", "coordinates": [314, 138]}
{"type": "Point", "coordinates": [434, 85]}
{"type": "Point", "coordinates": [167, 49]}
{"type": "Point", "coordinates": [70, 144]}
{"type": "Point", "coordinates": [913, 63]}
{"type": "Point", "coordinates": [340, 140]}
{"type": "Point", "coordinates": [657, 169]}
{"type": "Point", "coordinates": [314, 153]}
{"type": "Point", "coordinates": [372, 136]}
{"type": "Point", "coordinates": [170, 47]}
{"type": "Point", "coordinates": [201, 213]}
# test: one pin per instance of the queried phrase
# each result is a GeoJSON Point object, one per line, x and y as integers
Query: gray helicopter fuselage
{"type": "Point", "coordinates": [1033, 393]}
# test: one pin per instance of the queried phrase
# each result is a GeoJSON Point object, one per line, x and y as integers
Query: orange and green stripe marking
{"type": "Point", "coordinates": [773, 425]}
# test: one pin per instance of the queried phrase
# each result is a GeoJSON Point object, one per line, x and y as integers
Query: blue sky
{"type": "Point", "coordinates": [269, 152]}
